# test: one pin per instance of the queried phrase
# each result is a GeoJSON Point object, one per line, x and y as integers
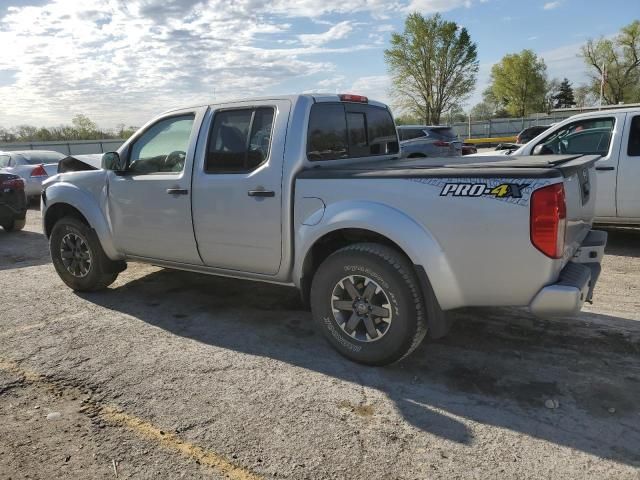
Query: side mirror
{"type": "Point", "coordinates": [542, 149]}
{"type": "Point", "coordinates": [111, 161]}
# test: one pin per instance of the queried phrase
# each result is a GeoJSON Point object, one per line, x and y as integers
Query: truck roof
{"type": "Point", "coordinates": [293, 98]}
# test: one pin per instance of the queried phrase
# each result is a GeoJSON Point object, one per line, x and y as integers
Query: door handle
{"type": "Point", "coordinates": [605, 168]}
{"type": "Point", "coordinates": [261, 193]}
{"type": "Point", "coordinates": [177, 191]}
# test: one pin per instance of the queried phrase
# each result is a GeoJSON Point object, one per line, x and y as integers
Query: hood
{"type": "Point", "coordinates": [80, 163]}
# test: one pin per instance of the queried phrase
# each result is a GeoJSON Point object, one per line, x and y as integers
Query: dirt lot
{"type": "Point", "coordinates": [179, 375]}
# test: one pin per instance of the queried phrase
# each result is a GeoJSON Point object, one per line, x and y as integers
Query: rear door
{"type": "Point", "coordinates": [237, 187]}
{"type": "Point", "coordinates": [628, 196]}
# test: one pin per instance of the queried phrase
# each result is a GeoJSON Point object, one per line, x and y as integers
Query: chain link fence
{"type": "Point", "coordinates": [78, 147]}
{"type": "Point", "coordinates": [504, 127]}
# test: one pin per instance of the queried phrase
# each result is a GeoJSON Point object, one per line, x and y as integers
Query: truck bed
{"type": "Point", "coordinates": [547, 166]}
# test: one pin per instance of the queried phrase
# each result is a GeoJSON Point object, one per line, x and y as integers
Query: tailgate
{"type": "Point", "coordinates": [580, 193]}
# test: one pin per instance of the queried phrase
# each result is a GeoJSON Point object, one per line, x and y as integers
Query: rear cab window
{"type": "Point", "coordinates": [346, 130]}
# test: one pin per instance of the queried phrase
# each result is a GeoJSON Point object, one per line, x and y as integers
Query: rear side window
{"type": "Point", "coordinates": [239, 140]}
{"type": "Point", "coordinates": [338, 130]}
{"type": "Point", "coordinates": [4, 161]}
{"type": "Point", "coordinates": [633, 149]}
{"type": "Point", "coordinates": [411, 133]}
{"type": "Point", "coordinates": [445, 132]}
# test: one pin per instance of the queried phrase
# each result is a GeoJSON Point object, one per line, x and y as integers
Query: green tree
{"type": "Point", "coordinates": [482, 111]}
{"type": "Point", "coordinates": [433, 66]}
{"type": "Point", "coordinates": [564, 98]}
{"type": "Point", "coordinates": [519, 82]}
{"type": "Point", "coordinates": [620, 59]}
{"type": "Point", "coordinates": [85, 128]}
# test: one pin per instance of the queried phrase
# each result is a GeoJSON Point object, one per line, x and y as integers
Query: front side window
{"type": "Point", "coordinates": [633, 149]}
{"type": "Point", "coordinates": [240, 140]}
{"type": "Point", "coordinates": [4, 161]}
{"type": "Point", "coordinates": [338, 130]}
{"type": "Point", "coordinates": [162, 148]}
{"type": "Point", "coordinates": [583, 137]}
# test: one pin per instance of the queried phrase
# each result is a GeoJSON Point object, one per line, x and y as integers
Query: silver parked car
{"type": "Point", "coordinates": [418, 141]}
{"type": "Point", "coordinates": [33, 166]}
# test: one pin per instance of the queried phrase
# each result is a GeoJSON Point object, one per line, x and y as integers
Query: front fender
{"type": "Point", "coordinates": [415, 241]}
{"type": "Point", "coordinates": [87, 204]}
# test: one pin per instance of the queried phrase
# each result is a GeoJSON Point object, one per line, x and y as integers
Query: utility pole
{"type": "Point", "coordinates": [602, 82]}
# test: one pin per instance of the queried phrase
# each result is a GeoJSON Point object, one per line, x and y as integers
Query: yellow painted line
{"type": "Point", "coordinates": [145, 429]}
{"type": "Point", "coordinates": [491, 140]}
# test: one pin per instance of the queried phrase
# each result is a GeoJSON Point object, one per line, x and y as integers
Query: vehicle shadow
{"type": "Point", "coordinates": [623, 242]}
{"type": "Point", "coordinates": [497, 367]}
{"type": "Point", "coordinates": [22, 249]}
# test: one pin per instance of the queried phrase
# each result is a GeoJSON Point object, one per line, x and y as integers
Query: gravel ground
{"type": "Point", "coordinates": [178, 375]}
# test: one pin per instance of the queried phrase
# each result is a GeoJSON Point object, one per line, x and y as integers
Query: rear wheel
{"type": "Point", "coordinates": [366, 300]}
{"type": "Point", "coordinates": [14, 225]}
{"type": "Point", "coordinates": [78, 256]}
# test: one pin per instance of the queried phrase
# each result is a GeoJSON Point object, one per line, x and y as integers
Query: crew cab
{"type": "Point", "coordinates": [309, 191]}
{"type": "Point", "coordinates": [614, 135]}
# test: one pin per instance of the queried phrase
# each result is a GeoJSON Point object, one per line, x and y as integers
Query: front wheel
{"type": "Point", "coordinates": [366, 300]}
{"type": "Point", "coordinates": [78, 256]}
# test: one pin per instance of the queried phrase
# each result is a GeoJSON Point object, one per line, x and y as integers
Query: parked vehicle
{"type": "Point", "coordinates": [469, 149]}
{"type": "Point", "coordinates": [615, 136]}
{"type": "Point", "coordinates": [308, 191]}
{"type": "Point", "coordinates": [33, 166]}
{"type": "Point", "coordinates": [13, 202]}
{"type": "Point", "coordinates": [530, 133]}
{"type": "Point", "coordinates": [417, 141]}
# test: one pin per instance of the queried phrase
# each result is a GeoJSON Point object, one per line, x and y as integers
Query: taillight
{"type": "Point", "coordinates": [348, 97]}
{"type": "Point", "coordinates": [39, 171]}
{"type": "Point", "coordinates": [12, 184]}
{"type": "Point", "coordinates": [549, 220]}
{"type": "Point", "coordinates": [440, 143]}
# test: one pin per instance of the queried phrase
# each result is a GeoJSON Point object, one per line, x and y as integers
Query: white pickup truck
{"type": "Point", "coordinates": [615, 136]}
{"type": "Point", "coordinates": [308, 191]}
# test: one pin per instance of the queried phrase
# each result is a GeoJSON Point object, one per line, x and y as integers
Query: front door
{"type": "Point", "coordinates": [237, 188]}
{"type": "Point", "coordinates": [149, 204]}
{"type": "Point", "coordinates": [629, 170]}
{"type": "Point", "coordinates": [592, 136]}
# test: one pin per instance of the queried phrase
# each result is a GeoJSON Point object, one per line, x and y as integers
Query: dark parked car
{"type": "Point", "coordinates": [429, 141]}
{"type": "Point", "coordinates": [13, 202]}
{"type": "Point", "coordinates": [469, 149]}
{"type": "Point", "coordinates": [530, 133]}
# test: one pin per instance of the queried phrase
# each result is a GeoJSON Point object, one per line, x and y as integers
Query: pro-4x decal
{"type": "Point", "coordinates": [503, 190]}
{"type": "Point", "coordinates": [515, 191]}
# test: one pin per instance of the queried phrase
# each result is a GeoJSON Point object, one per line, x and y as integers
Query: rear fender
{"type": "Point", "coordinates": [88, 205]}
{"type": "Point", "coordinates": [416, 242]}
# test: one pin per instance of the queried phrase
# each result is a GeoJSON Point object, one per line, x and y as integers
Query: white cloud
{"type": "Point", "coordinates": [337, 32]}
{"type": "Point", "coordinates": [123, 61]}
{"type": "Point", "coordinates": [551, 5]}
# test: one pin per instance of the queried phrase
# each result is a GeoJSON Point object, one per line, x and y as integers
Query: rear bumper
{"type": "Point", "coordinates": [33, 186]}
{"type": "Point", "coordinates": [576, 281]}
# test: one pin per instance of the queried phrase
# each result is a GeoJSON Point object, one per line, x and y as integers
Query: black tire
{"type": "Point", "coordinates": [395, 276]}
{"type": "Point", "coordinates": [15, 225]}
{"type": "Point", "coordinates": [417, 155]}
{"type": "Point", "coordinates": [100, 273]}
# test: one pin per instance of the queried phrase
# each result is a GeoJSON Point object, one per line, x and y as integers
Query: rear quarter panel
{"type": "Point", "coordinates": [476, 250]}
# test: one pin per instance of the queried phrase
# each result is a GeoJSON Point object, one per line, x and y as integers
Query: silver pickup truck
{"type": "Point", "coordinates": [308, 191]}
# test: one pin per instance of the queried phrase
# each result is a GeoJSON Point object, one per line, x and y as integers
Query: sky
{"type": "Point", "coordinates": [124, 61]}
